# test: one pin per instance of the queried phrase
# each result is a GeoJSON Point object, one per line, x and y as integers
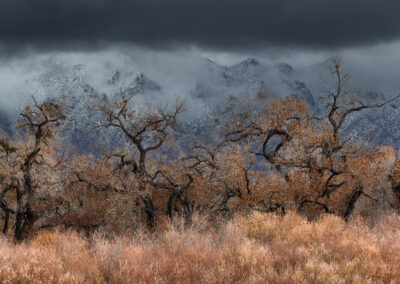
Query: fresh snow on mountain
{"type": "Point", "coordinates": [208, 92]}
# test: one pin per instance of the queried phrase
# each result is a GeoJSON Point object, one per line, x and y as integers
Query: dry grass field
{"type": "Point", "coordinates": [262, 248]}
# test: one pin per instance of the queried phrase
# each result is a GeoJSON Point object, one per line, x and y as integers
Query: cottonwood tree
{"type": "Point", "coordinates": [104, 193]}
{"type": "Point", "coordinates": [83, 202]}
{"type": "Point", "coordinates": [171, 184]}
{"type": "Point", "coordinates": [320, 167]}
{"type": "Point", "coordinates": [7, 184]}
{"type": "Point", "coordinates": [225, 182]}
{"type": "Point", "coordinates": [146, 130]}
{"type": "Point", "coordinates": [347, 164]}
{"type": "Point", "coordinates": [27, 165]}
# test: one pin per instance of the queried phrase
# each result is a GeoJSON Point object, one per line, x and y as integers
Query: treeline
{"type": "Point", "coordinates": [279, 159]}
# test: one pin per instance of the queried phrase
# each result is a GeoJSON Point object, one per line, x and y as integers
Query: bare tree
{"type": "Point", "coordinates": [341, 106]}
{"type": "Point", "coordinates": [146, 130]}
{"type": "Point", "coordinates": [296, 144]}
{"type": "Point", "coordinates": [39, 121]}
{"type": "Point", "coordinates": [223, 179]}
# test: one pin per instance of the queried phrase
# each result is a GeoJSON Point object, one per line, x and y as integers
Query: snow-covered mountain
{"type": "Point", "coordinates": [206, 92]}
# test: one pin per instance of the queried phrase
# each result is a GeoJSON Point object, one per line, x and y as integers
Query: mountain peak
{"type": "Point", "coordinates": [143, 83]}
{"type": "Point", "coordinates": [78, 67]}
{"type": "Point", "coordinates": [250, 61]}
{"type": "Point", "coordinates": [285, 68]}
{"type": "Point", "coordinates": [210, 61]}
{"type": "Point", "coordinates": [115, 78]}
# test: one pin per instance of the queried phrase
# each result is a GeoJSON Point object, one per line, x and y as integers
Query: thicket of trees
{"type": "Point", "coordinates": [280, 159]}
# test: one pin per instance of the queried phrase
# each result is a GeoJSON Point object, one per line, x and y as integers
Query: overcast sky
{"type": "Point", "coordinates": [33, 33]}
{"type": "Point", "coordinates": [217, 24]}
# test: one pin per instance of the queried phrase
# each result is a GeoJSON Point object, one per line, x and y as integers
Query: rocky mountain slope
{"type": "Point", "coordinates": [208, 92]}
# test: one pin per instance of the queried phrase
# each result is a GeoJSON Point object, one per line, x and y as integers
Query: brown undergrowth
{"type": "Point", "coordinates": [256, 249]}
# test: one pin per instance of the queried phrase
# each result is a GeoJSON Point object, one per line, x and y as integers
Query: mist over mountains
{"type": "Point", "coordinates": [206, 87]}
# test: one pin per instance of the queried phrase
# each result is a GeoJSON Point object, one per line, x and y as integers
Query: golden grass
{"type": "Point", "coordinates": [262, 248]}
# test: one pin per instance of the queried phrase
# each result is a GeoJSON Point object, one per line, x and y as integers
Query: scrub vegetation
{"type": "Point", "coordinates": [279, 194]}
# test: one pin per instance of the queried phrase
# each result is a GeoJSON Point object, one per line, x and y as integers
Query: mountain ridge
{"type": "Point", "coordinates": [210, 91]}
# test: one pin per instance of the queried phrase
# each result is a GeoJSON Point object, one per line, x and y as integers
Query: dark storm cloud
{"type": "Point", "coordinates": [218, 24]}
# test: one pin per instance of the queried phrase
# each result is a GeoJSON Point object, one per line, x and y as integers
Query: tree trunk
{"type": "Point", "coordinates": [171, 202]}
{"type": "Point", "coordinates": [150, 211]}
{"type": "Point", "coordinates": [188, 208]}
{"type": "Point", "coordinates": [396, 192]}
{"type": "Point", "coordinates": [19, 216]}
{"type": "Point", "coordinates": [6, 221]}
{"type": "Point", "coordinates": [351, 203]}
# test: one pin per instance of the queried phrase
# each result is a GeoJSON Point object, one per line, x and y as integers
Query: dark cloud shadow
{"type": "Point", "coordinates": [215, 24]}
